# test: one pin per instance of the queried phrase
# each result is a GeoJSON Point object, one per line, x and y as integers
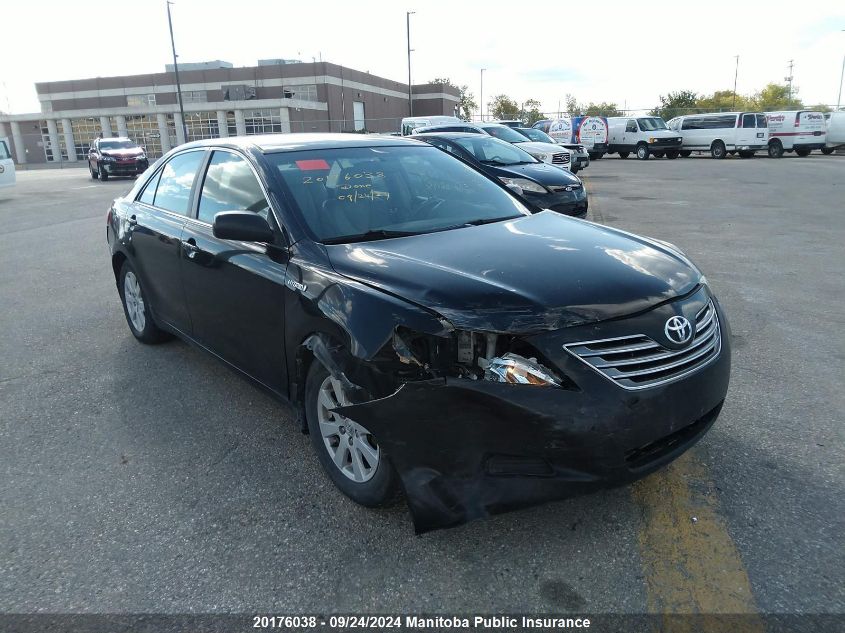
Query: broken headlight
{"type": "Point", "coordinates": [518, 370]}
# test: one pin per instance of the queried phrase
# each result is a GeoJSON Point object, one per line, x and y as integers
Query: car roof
{"type": "Point", "coordinates": [303, 141]}
{"type": "Point", "coordinates": [453, 135]}
{"type": "Point", "coordinates": [116, 138]}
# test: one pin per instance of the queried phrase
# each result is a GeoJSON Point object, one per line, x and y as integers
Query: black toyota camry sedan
{"type": "Point", "coordinates": [438, 337]}
{"type": "Point", "coordinates": [543, 185]}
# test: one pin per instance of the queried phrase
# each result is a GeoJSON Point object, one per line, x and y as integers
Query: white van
{"type": "Point", "coordinates": [799, 131]}
{"type": "Point", "coordinates": [722, 133]}
{"type": "Point", "coordinates": [644, 135]}
{"type": "Point", "coordinates": [7, 165]}
{"type": "Point", "coordinates": [411, 123]}
{"type": "Point", "coordinates": [835, 137]}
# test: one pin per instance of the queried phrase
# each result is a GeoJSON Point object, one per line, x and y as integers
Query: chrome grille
{"type": "Point", "coordinates": [561, 158]}
{"type": "Point", "coordinates": [637, 362]}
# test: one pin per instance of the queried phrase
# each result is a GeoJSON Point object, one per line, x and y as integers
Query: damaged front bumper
{"type": "Point", "coordinates": [466, 449]}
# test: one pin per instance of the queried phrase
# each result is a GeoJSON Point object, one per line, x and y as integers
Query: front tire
{"type": "Point", "coordinates": [136, 307]}
{"type": "Point", "coordinates": [346, 450]}
{"type": "Point", "coordinates": [717, 150]}
{"type": "Point", "coordinates": [685, 153]}
{"type": "Point", "coordinates": [672, 154]}
{"type": "Point", "coordinates": [827, 151]}
{"type": "Point", "coordinates": [92, 172]}
{"type": "Point", "coordinates": [803, 152]}
{"type": "Point", "coordinates": [659, 154]}
{"type": "Point", "coordinates": [643, 152]}
{"type": "Point", "coordinates": [775, 149]}
{"type": "Point", "coordinates": [102, 173]}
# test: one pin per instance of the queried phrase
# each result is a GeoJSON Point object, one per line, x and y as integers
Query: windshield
{"type": "Point", "coordinates": [648, 124]}
{"type": "Point", "coordinates": [117, 145]}
{"type": "Point", "coordinates": [492, 151]}
{"type": "Point", "coordinates": [378, 192]}
{"type": "Point", "coordinates": [536, 135]}
{"type": "Point", "coordinates": [505, 133]}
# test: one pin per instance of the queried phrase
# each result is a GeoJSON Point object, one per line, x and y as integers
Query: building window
{"type": "Point", "coordinates": [359, 116]}
{"type": "Point", "coordinates": [143, 129]}
{"type": "Point", "coordinates": [201, 125]}
{"type": "Point", "coordinates": [194, 96]}
{"type": "Point", "coordinates": [52, 153]}
{"type": "Point", "coordinates": [231, 124]}
{"type": "Point", "coordinates": [85, 132]}
{"type": "Point", "coordinates": [140, 101]}
{"type": "Point", "coordinates": [307, 92]}
{"type": "Point", "coordinates": [238, 92]}
{"type": "Point", "coordinates": [263, 121]}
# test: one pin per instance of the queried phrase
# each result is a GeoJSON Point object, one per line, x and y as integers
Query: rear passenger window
{"type": "Point", "coordinates": [174, 187]}
{"type": "Point", "coordinates": [762, 121]}
{"type": "Point", "coordinates": [230, 185]}
{"type": "Point", "coordinates": [748, 120]}
{"type": "Point", "coordinates": [149, 193]}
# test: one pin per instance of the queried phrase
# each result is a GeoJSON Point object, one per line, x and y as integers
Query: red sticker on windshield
{"type": "Point", "coordinates": [311, 165]}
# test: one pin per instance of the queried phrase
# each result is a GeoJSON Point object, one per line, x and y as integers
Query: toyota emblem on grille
{"type": "Point", "coordinates": [678, 330]}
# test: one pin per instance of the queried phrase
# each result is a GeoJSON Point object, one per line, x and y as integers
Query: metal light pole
{"type": "Point", "coordinates": [736, 74]}
{"type": "Point", "coordinates": [789, 79]}
{"type": "Point", "coordinates": [176, 71]}
{"type": "Point", "coordinates": [841, 75]}
{"type": "Point", "coordinates": [408, 15]}
{"type": "Point", "coordinates": [481, 94]}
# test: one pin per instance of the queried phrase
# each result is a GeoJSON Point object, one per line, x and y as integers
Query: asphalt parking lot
{"type": "Point", "coordinates": [153, 479]}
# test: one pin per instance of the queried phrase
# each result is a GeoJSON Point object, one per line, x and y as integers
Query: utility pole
{"type": "Point", "coordinates": [408, 15]}
{"type": "Point", "coordinates": [736, 74]}
{"type": "Point", "coordinates": [789, 79]}
{"type": "Point", "coordinates": [176, 70]}
{"type": "Point", "coordinates": [481, 94]}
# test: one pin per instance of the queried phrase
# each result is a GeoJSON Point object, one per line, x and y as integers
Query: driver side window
{"type": "Point", "coordinates": [230, 185]}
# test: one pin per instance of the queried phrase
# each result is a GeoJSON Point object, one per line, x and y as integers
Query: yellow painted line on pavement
{"type": "Point", "coordinates": [690, 562]}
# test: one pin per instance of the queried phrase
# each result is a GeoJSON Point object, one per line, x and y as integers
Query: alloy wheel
{"type": "Point", "coordinates": [134, 301]}
{"type": "Point", "coordinates": [352, 448]}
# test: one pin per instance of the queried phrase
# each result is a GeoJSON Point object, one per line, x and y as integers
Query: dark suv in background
{"type": "Point", "coordinates": [119, 156]}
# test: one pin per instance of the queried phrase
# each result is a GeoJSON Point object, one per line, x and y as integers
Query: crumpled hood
{"type": "Point", "coordinates": [535, 273]}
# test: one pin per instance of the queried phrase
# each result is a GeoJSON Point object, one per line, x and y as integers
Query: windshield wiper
{"type": "Point", "coordinates": [495, 162]}
{"type": "Point", "coordinates": [481, 221]}
{"type": "Point", "coordinates": [379, 234]}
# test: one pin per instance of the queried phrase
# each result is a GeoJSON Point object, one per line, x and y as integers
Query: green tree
{"type": "Point", "coordinates": [467, 104]}
{"type": "Point", "coordinates": [723, 101]}
{"type": "Point", "coordinates": [675, 104]}
{"type": "Point", "coordinates": [572, 107]}
{"type": "Point", "coordinates": [776, 97]}
{"type": "Point", "coordinates": [530, 112]}
{"type": "Point", "coordinates": [602, 109]}
{"type": "Point", "coordinates": [503, 107]}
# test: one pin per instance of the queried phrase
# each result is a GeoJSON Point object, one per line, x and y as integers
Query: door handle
{"type": "Point", "coordinates": [132, 221]}
{"type": "Point", "coordinates": [191, 248]}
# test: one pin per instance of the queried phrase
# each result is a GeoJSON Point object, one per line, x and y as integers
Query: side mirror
{"type": "Point", "coordinates": [515, 188]}
{"type": "Point", "coordinates": [243, 226]}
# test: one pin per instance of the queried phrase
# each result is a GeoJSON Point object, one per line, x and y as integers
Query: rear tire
{"type": "Point", "coordinates": [624, 154]}
{"type": "Point", "coordinates": [379, 483]}
{"type": "Point", "coordinates": [643, 152]}
{"type": "Point", "coordinates": [775, 149]}
{"type": "Point", "coordinates": [803, 152]}
{"type": "Point", "coordinates": [685, 153]}
{"type": "Point", "coordinates": [827, 151]}
{"type": "Point", "coordinates": [717, 150]}
{"type": "Point", "coordinates": [136, 307]}
{"type": "Point", "coordinates": [672, 154]}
